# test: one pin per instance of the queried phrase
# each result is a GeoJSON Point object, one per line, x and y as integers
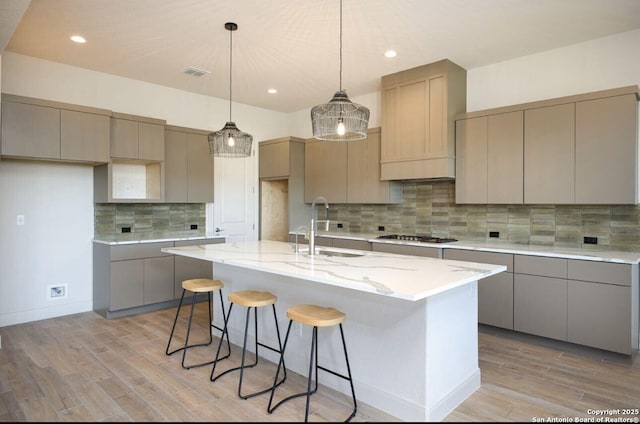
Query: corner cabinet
{"type": "Point", "coordinates": [135, 278]}
{"type": "Point", "coordinates": [580, 149]}
{"type": "Point", "coordinates": [419, 106]}
{"type": "Point", "coordinates": [188, 166]}
{"type": "Point", "coordinates": [348, 172]}
{"type": "Point", "coordinates": [42, 129]}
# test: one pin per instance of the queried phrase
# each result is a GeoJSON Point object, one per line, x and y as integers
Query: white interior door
{"type": "Point", "coordinates": [235, 206]}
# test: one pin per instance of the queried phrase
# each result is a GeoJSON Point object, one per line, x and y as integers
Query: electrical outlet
{"type": "Point", "coordinates": [126, 229]}
{"type": "Point", "coordinates": [380, 227]}
{"type": "Point", "coordinates": [591, 240]}
{"type": "Point", "coordinates": [494, 234]}
{"type": "Point", "coordinates": [194, 226]}
{"type": "Point", "coordinates": [57, 291]}
{"type": "Point", "coordinates": [340, 225]}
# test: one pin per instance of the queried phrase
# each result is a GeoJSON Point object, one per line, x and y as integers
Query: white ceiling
{"type": "Point", "coordinates": [294, 45]}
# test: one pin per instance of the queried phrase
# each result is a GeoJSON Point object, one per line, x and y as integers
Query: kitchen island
{"type": "Point", "coordinates": [411, 326]}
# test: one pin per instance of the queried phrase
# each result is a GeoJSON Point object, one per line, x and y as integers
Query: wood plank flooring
{"type": "Point", "coordinates": [83, 367]}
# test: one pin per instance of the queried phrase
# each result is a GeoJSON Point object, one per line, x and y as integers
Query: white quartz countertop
{"type": "Point", "coordinates": [502, 247]}
{"type": "Point", "coordinates": [118, 240]}
{"type": "Point", "coordinates": [400, 276]}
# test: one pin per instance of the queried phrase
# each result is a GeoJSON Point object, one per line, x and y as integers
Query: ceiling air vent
{"type": "Point", "coordinates": [196, 72]}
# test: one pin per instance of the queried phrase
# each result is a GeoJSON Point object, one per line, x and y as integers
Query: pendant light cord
{"type": "Point", "coordinates": [230, 64]}
{"type": "Point", "coordinates": [340, 45]}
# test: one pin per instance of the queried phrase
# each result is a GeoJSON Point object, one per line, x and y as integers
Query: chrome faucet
{"type": "Point", "coordinates": [314, 223]}
{"type": "Point", "coordinates": [297, 249]}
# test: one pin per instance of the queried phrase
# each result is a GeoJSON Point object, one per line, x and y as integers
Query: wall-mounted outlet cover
{"type": "Point", "coordinates": [494, 233]}
{"type": "Point", "coordinates": [591, 240]}
{"type": "Point", "coordinates": [126, 229]}
{"type": "Point", "coordinates": [340, 225]}
{"type": "Point", "coordinates": [194, 226]}
{"type": "Point", "coordinates": [57, 291]}
{"type": "Point", "coordinates": [380, 227]}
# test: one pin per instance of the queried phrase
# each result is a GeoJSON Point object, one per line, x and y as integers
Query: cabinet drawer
{"type": "Point", "coordinates": [600, 272]}
{"type": "Point", "coordinates": [494, 258]}
{"type": "Point", "coordinates": [137, 251]}
{"type": "Point", "coordinates": [540, 265]}
{"type": "Point", "coordinates": [198, 242]}
{"type": "Point", "coordinates": [351, 244]}
{"type": "Point", "coordinates": [400, 249]}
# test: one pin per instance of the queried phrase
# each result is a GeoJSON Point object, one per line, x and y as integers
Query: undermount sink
{"type": "Point", "coordinates": [333, 252]}
{"type": "Point", "coordinates": [327, 252]}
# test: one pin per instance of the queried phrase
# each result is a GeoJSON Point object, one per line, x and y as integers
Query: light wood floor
{"type": "Point", "coordinates": [85, 368]}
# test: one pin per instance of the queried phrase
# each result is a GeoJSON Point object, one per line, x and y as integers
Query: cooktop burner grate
{"type": "Point", "coordinates": [419, 238]}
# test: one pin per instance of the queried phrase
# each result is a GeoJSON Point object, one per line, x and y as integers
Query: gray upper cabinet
{"type": "Point", "coordinates": [549, 146]}
{"type": "Point", "coordinates": [137, 138]}
{"type": "Point", "coordinates": [188, 166]}
{"type": "Point", "coordinates": [30, 131]}
{"type": "Point", "coordinates": [84, 136]}
{"type": "Point", "coordinates": [606, 139]}
{"type": "Point", "coordinates": [489, 151]}
{"type": "Point", "coordinates": [42, 129]}
{"type": "Point", "coordinates": [347, 172]}
{"type": "Point", "coordinates": [325, 170]}
{"type": "Point", "coordinates": [580, 149]}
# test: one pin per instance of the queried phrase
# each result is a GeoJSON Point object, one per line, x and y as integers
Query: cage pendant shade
{"type": "Point", "coordinates": [230, 142]}
{"type": "Point", "coordinates": [340, 119]}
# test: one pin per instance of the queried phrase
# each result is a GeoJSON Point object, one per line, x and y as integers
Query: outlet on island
{"type": "Point", "coordinates": [591, 240]}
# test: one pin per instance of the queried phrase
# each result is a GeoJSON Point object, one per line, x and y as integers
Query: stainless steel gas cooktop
{"type": "Point", "coordinates": [419, 238]}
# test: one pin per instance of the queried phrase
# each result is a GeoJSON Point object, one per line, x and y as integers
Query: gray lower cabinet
{"type": "Point", "coordinates": [540, 296]}
{"type": "Point", "coordinates": [403, 249]}
{"type": "Point", "coordinates": [495, 293]}
{"type": "Point", "coordinates": [134, 278]}
{"type": "Point", "coordinates": [603, 305]}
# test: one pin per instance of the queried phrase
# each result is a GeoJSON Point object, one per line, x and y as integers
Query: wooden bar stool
{"type": "Point", "coordinates": [195, 286]}
{"type": "Point", "coordinates": [315, 316]}
{"type": "Point", "coordinates": [251, 299]}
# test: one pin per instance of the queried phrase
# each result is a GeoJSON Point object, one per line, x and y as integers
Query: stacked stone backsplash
{"type": "Point", "coordinates": [148, 220]}
{"type": "Point", "coordinates": [429, 207]}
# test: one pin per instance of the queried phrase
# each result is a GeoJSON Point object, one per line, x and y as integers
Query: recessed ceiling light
{"type": "Point", "coordinates": [390, 53]}
{"type": "Point", "coordinates": [78, 39]}
{"type": "Point", "coordinates": [272, 91]}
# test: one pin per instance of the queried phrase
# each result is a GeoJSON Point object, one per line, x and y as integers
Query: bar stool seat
{"type": "Point", "coordinates": [314, 316]}
{"type": "Point", "coordinates": [198, 285]}
{"type": "Point", "coordinates": [251, 299]}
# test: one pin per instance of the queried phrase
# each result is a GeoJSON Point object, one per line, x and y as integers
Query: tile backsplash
{"type": "Point", "coordinates": [429, 207]}
{"type": "Point", "coordinates": [148, 220]}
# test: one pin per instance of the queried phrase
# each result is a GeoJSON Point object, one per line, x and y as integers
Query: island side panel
{"type": "Point", "coordinates": [388, 339]}
{"type": "Point", "coordinates": [453, 371]}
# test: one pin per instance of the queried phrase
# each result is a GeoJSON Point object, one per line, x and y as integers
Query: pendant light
{"type": "Point", "coordinates": [230, 142]}
{"type": "Point", "coordinates": [340, 119]}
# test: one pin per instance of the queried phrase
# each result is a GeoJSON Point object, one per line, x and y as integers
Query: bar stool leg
{"type": "Point", "coordinates": [242, 366]}
{"type": "Point", "coordinates": [211, 325]}
{"type": "Point", "coordinates": [313, 364]}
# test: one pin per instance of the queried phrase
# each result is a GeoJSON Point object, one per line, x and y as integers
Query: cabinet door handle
{"type": "Point", "coordinates": [218, 229]}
